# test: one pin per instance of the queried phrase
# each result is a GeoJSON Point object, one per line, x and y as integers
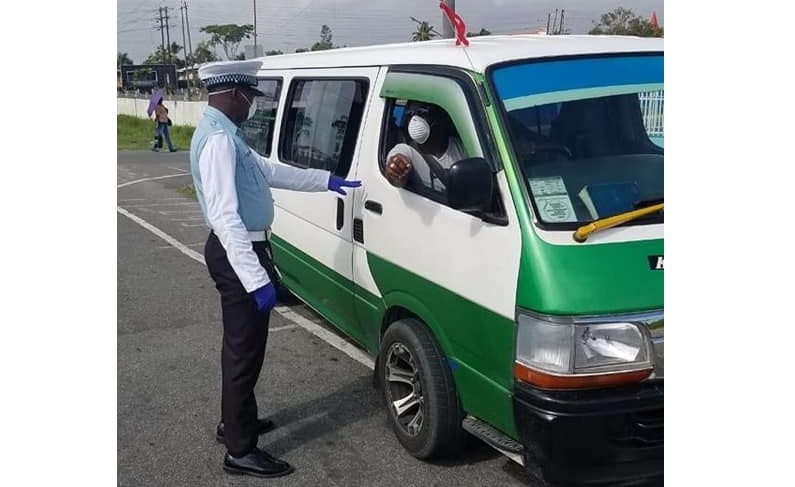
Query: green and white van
{"type": "Point", "coordinates": [523, 304]}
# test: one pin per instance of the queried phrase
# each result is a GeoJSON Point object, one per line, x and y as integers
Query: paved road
{"type": "Point", "coordinates": [332, 423]}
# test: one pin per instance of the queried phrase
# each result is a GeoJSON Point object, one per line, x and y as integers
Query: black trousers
{"type": "Point", "coordinates": [243, 347]}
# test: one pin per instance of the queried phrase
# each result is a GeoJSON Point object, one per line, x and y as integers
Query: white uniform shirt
{"type": "Point", "coordinates": [217, 167]}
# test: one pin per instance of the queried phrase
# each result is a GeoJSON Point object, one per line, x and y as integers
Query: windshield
{"type": "Point", "coordinates": [587, 133]}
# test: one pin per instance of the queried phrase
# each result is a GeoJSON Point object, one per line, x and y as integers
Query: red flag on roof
{"type": "Point", "coordinates": [653, 20]}
{"type": "Point", "coordinates": [458, 24]}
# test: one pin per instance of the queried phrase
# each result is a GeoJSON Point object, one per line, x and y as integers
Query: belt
{"type": "Point", "coordinates": [259, 236]}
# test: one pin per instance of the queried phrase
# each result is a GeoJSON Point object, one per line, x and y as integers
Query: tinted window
{"type": "Point", "coordinates": [322, 123]}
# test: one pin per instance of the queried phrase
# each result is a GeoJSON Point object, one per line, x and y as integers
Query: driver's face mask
{"type": "Point", "coordinates": [419, 129]}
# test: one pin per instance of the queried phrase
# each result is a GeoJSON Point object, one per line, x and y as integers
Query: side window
{"type": "Point", "coordinates": [426, 135]}
{"type": "Point", "coordinates": [321, 123]}
{"type": "Point", "coordinates": [258, 130]}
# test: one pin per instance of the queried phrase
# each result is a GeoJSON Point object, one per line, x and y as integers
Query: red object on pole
{"type": "Point", "coordinates": [653, 20]}
{"type": "Point", "coordinates": [458, 24]}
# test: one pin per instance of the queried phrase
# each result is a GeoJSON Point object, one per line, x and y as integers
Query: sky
{"type": "Point", "coordinates": [287, 25]}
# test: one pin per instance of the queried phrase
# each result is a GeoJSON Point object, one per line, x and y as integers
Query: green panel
{"type": "Point", "coordinates": [577, 279]}
{"type": "Point", "coordinates": [325, 290]}
{"type": "Point", "coordinates": [590, 279]}
{"type": "Point", "coordinates": [478, 342]}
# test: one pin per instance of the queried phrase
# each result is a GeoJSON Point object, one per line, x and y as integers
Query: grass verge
{"type": "Point", "coordinates": [133, 133]}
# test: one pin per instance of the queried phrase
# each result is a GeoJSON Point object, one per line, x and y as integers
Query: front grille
{"type": "Point", "coordinates": [640, 429]}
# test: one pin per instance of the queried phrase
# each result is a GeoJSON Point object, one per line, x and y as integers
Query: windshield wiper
{"type": "Point", "coordinates": [644, 208]}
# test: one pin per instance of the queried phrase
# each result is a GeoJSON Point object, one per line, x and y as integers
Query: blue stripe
{"type": "Point", "coordinates": [543, 77]}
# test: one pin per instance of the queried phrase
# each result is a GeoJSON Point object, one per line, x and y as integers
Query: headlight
{"type": "Point", "coordinates": [579, 353]}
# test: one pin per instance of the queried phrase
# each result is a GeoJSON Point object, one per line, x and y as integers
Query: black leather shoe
{"type": "Point", "coordinates": [263, 426]}
{"type": "Point", "coordinates": [257, 463]}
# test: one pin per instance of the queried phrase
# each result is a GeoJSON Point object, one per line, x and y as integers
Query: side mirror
{"type": "Point", "coordinates": [470, 185]}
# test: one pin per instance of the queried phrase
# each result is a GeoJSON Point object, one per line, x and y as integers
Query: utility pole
{"type": "Point", "coordinates": [168, 38]}
{"type": "Point", "coordinates": [255, 28]}
{"type": "Point", "coordinates": [184, 46]}
{"type": "Point", "coordinates": [162, 35]}
{"type": "Point", "coordinates": [447, 27]}
{"type": "Point", "coordinates": [187, 24]}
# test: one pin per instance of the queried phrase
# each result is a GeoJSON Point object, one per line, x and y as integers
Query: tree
{"type": "Point", "coordinates": [159, 56]}
{"type": "Point", "coordinates": [623, 21]}
{"type": "Point", "coordinates": [203, 54]}
{"type": "Point", "coordinates": [123, 58]}
{"type": "Point", "coordinates": [424, 32]}
{"type": "Point", "coordinates": [228, 36]}
{"type": "Point", "coordinates": [325, 40]}
{"type": "Point", "coordinates": [483, 32]}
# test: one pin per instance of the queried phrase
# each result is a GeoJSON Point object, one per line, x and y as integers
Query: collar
{"type": "Point", "coordinates": [218, 116]}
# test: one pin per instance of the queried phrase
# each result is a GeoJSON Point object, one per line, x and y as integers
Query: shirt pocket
{"type": "Point", "coordinates": [252, 169]}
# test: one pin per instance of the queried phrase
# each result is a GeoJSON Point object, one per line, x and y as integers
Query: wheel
{"type": "Point", "coordinates": [421, 400]}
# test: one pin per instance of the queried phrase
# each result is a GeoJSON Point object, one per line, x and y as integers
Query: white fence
{"type": "Point", "coordinates": [180, 112]}
{"type": "Point", "coordinates": [651, 105]}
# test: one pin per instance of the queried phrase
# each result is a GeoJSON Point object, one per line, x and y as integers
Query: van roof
{"type": "Point", "coordinates": [483, 51]}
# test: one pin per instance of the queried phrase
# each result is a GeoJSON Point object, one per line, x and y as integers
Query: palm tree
{"type": "Point", "coordinates": [123, 58]}
{"type": "Point", "coordinates": [424, 32]}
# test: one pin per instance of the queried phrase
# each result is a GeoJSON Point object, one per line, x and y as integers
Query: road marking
{"type": "Point", "coordinates": [282, 328]}
{"type": "Point", "coordinates": [288, 314]}
{"type": "Point", "coordinates": [327, 336]}
{"type": "Point", "coordinates": [130, 183]}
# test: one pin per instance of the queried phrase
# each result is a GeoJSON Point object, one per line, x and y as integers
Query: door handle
{"type": "Point", "coordinates": [340, 213]}
{"type": "Point", "coordinates": [373, 206]}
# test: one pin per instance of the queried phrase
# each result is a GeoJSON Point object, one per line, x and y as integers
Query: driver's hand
{"type": "Point", "coordinates": [398, 168]}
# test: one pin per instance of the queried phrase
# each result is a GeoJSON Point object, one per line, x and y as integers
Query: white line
{"type": "Point", "coordinates": [282, 328]}
{"type": "Point", "coordinates": [150, 179]}
{"type": "Point", "coordinates": [171, 240]}
{"type": "Point", "coordinates": [150, 199]}
{"type": "Point", "coordinates": [327, 336]}
{"type": "Point", "coordinates": [197, 211]}
{"type": "Point", "coordinates": [178, 169]}
{"type": "Point", "coordinates": [288, 314]}
{"type": "Point", "coordinates": [158, 205]}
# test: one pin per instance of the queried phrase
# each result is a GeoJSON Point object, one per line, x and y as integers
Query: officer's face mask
{"type": "Point", "coordinates": [252, 107]}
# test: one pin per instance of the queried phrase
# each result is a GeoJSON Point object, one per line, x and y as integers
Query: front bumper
{"type": "Point", "coordinates": [606, 436]}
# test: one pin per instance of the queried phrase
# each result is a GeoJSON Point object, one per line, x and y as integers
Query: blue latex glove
{"type": "Point", "coordinates": [335, 183]}
{"type": "Point", "coordinates": [265, 297]}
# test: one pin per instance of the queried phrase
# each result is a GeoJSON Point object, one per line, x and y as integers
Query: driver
{"type": "Point", "coordinates": [431, 143]}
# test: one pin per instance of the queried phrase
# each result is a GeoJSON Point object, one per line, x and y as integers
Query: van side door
{"type": "Point", "coordinates": [319, 127]}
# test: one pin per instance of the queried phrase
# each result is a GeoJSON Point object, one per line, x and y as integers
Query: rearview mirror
{"type": "Point", "coordinates": [470, 185]}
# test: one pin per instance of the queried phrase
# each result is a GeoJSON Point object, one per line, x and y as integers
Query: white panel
{"type": "Point", "coordinates": [476, 260]}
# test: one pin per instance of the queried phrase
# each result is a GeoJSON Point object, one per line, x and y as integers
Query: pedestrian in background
{"type": "Point", "coordinates": [162, 124]}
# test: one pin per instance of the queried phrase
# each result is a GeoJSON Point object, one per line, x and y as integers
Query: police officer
{"type": "Point", "coordinates": [233, 184]}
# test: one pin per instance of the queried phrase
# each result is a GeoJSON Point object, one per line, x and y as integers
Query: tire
{"type": "Point", "coordinates": [413, 372]}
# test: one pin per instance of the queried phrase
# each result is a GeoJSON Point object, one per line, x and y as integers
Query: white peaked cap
{"type": "Point", "coordinates": [419, 130]}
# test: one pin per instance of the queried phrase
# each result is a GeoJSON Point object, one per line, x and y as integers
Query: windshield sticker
{"type": "Point", "coordinates": [552, 199]}
{"type": "Point", "coordinates": [556, 208]}
{"type": "Point", "coordinates": [548, 186]}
